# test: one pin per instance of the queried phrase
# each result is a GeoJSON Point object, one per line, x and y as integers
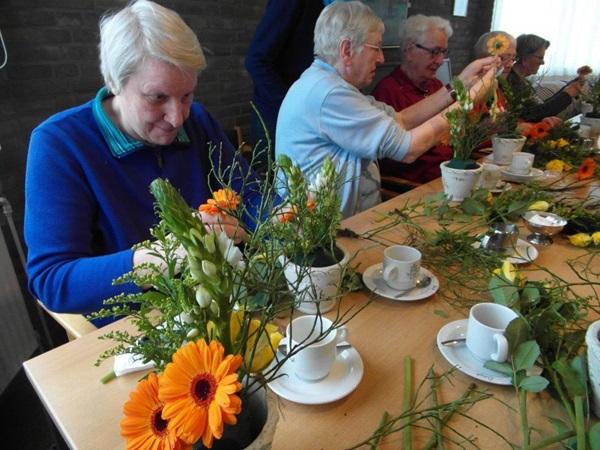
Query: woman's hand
{"type": "Point", "coordinates": [478, 69]}
{"type": "Point", "coordinates": [485, 81]}
{"type": "Point", "coordinates": [223, 222]}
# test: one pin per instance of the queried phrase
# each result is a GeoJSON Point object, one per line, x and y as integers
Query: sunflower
{"type": "Point", "coordinates": [587, 169]}
{"type": "Point", "coordinates": [497, 45]}
{"type": "Point", "coordinates": [224, 200]}
{"type": "Point", "coordinates": [199, 391]}
{"type": "Point", "coordinates": [143, 427]}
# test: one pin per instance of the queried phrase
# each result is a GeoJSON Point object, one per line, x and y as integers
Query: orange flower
{"type": "Point", "coordinates": [497, 45]}
{"type": "Point", "coordinates": [224, 200]}
{"type": "Point", "coordinates": [537, 131]}
{"type": "Point", "coordinates": [199, 391]}
{"type": "Point", "coordinates": [143, 427]}
{"type": "Point", "coordinates": [587, 169]}
{"type": "Point", "coordinates": [288, 215]}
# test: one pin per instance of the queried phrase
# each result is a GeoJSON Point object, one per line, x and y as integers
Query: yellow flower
{"type": "Point", "coordinates": [497, 45]}
{"type": "Point", "coordinates": [580, 239]}
{"type": "Point", "coordinates": [596, 238]}
{"type": "Point", "coordinates": [508, 271]}
{"type": "Point", "coordinates": [562, 143]}
{"type": "Point", "coordinates": [199, 391]}
{"type": "Point", "coordinates": [143, 427]}
{"type": "Point", "coordinates": [258, 355]}
{"type": "Point", "coordinates": [555, 164]}
{"type": "Point", "coordinates": [540, 205]}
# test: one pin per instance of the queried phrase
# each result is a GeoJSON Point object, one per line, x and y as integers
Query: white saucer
{"type": "Point", "coordinates": [532, 175]}
{"type": "Point", "coordinates": [459, 355]}
{"type": "Point", "coordinates": [490, 160]}
{"type": "Point", "coordinates": [523, 253]}
{"type": "Point", "coordinates": [501, 187]}
{"type": "Point", "coordinates": [346, 373]}
{"type": "Point", "coordinates": [373, 279]}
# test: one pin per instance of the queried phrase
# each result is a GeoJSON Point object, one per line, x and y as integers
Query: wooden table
{"type": "Point", "coordinates": [88, 413]}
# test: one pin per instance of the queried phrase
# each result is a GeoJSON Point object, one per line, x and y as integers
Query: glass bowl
{"type": "Point", "coordinates": [543, 225]}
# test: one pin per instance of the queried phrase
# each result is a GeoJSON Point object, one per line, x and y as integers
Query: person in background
{"type": "Point", "coordinates": [89, 168]}
{"type": "Point", "coordinates": [423, 42]}
{"type": "Point", "coordinates": [531, 50]}
{"type": "Point", "coordinates": [325, 114]}
{"type": "Point", "coordinates": [281, 49]}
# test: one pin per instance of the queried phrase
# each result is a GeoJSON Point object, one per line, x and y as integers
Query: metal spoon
{"type": "Point", "coordinates": [283, 348]}
{"type": "Point", "coordinates": [454, 341]}
{"type": "Point", "coordinates": [420, 283]}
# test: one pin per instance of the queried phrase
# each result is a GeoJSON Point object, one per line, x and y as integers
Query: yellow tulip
{"type": "Point", "coordinates": [580, 239]}
{"type": "Point", "coordinates": [562, 143]}
{"type": "Point", "coordinates": [555, 164]}
{"type": "Point", "coordinates": [259, 353]}
{"type": "Point", "coordinates": [508, 271]}
{"type": "Point", "coordinates": [540, 205]}
{"type": "Point", "coordinates": [596, 238]}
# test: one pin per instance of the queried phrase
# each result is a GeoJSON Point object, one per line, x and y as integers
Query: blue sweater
{"type": "Point", "coordinates": [85, 208]}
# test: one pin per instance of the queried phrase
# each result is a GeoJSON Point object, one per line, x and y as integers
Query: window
{"type": "Point", "coordinates": [570, 26]}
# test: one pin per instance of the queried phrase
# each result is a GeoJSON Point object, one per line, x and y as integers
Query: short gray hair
{"type": "Point", "coordinates": [481, 48]}
{"type": "Point", "coordinates": [528, 44]}
{"type": "Point", "coordinates": [414, 27]}
{"type": "Point", "coordinates": [344, 20]}
{"type": "Point", "coordinates": [144, 30]}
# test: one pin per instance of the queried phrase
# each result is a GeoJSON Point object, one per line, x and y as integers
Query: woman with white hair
{"type": "Point", "coordinates": [89, 168]}
{"type": "Point", "coordinates": [325, 114]}
{"type": "Point", "coordinates": [423, 43]}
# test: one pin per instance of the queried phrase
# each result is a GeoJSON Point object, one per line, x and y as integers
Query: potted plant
{"type": "Point", "coordinates": [591, 96]}
{"type": "Point", "coordinates": [308, 225]}
{"type": "Point", "coordinates": [469, 128]}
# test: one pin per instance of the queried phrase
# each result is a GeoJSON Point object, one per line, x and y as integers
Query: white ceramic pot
{"type": "Point", "coordinates": [459, 183]}
{"type": "Point", "coordinates": [315, 288]}
{"type": "Point", "coordinates": [591, 122]}
{"type": "Point", "coordinates": [592, 339]}
{"type": "Point", "coordinates": [503, 148]}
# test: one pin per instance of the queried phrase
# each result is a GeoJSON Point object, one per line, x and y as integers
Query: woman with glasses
{"type": "Point", "coordinates": [423, 46]}
{"type": "Point", "coordinates": [531, 50]}
{"type": "Point", "coordinates": [325, 114]}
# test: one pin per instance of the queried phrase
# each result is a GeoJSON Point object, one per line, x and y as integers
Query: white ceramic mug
{"type": "Point", "coordinates": [504, 148]}
{"type": "Point", "coordinates": [521, 163]}
{"type": "Point", "coordinates": [401, 266]}
{"type": "Point", "coordinates": [314, 360]}
{"type": "Point", "coordinates": [490, 176]}
{"type": "Point", "coordinates": [485, 331]}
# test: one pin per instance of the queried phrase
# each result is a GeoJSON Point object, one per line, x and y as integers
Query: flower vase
{"type": "Point", "coordinates": [593, 122]}
{"type": "Point", "coordinates": [458, 183]}
{"type": "Point", "coordinates": [256, 426]}
{"type": "Point", "coordinates": [316, 287]}
{"type": "Point", "coordinates": [504, 147]}
{"type": "Point", "coordinates": [592, 339]}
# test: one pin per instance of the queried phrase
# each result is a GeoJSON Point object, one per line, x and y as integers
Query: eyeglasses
{"type": "Point", "coordinates": [508, 58]}
{"type": "Point", "coordinates": [541, 58]}
{"type": "Point", "coordinates": [377, 48]}
{"type": "Point", "coordinates": [434, 52]}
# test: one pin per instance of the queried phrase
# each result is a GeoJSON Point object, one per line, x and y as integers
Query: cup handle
{"type": "Point", "coordinates": [342, 334]}
{"type": "Point", "coordinates": [501, 354]}
{"type": "Point", "coordinates": [389, 273]}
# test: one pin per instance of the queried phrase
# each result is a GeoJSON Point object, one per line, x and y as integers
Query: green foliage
{"type": "Point", "coordinates": [592, 92]}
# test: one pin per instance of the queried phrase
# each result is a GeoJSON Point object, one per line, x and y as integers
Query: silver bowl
{"type": "Point", "coordinates": [543, 225]}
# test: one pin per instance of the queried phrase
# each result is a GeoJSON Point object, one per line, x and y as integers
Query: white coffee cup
{"type": "Point", "coordinates": [521, 163]}
{"type": "Point", "coordinates": [490, 176]}
{"type": "Point", "coordinates": [485, 331]}
{"type": "Point", "coordinates": [314, 360]}
{"type": "Point", "coordinates": [401, 266]}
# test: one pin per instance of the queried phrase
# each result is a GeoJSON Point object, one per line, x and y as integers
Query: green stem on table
{"type": "Point", "coordinates": [407, 400]}
{"type": "Point", "coordinates": [383, 421]}
{"type": "Point", "coordinates": [438, 438]}
{"type": "Point", "coordinates": [579, 423]}
{"type": "Point", "coordinates": [524, 423]}
{"type": "Point", "coordinates": [563, 398]}
{"type": "Point", "coordinates": [551, 440]}
{"type": "Point", "coordinates": [109, 376]}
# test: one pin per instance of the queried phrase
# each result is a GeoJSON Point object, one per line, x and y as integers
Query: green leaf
{"type": "Point", "coordinates": [530, 295]}
{"type": "Point", "coordinates": [574, 380]}
{"type": "Point", "coordinates": [516, 334]}
{"type": "Point", "coordinates": [558, 425]}
{"type": "Point", "coordinates": [472, 207]}
{"type": "Point", "coordinates": [441, 313]}
{"type": "Point", "coordinates": [462, 218]}
{"type": "Point", "coordinates": [594, 437]}
{"type": "Point", "coordinates": [502, 291]}
{"type": "Point", "coordinates": [534, 383]}
{"type": "Point", "coordinates": [502, 367]}
{"type": "Point", "coordinates": [526, 354]}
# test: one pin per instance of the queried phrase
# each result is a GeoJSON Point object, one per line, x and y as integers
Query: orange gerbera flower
{"type": "Point", "coordinates": [587, 169]}
{"type": "Point", "coordinates": [537, 131]}
{"type": "Point", "coordinates": [224, 200]}
{"type": "Point", "coordinates": [497, 45]}
{"type": "Point", "coordinates": [288, 215]}
{"type": "Point", "coordinates": [143, 427]}
{"type": "Point", "coordinates": [199, 391]}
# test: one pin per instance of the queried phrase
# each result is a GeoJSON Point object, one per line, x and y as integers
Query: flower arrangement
{"type": "Point", "coordinates": [206, 320]}
{"type": "Point", "coordinates": [592, 95]}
